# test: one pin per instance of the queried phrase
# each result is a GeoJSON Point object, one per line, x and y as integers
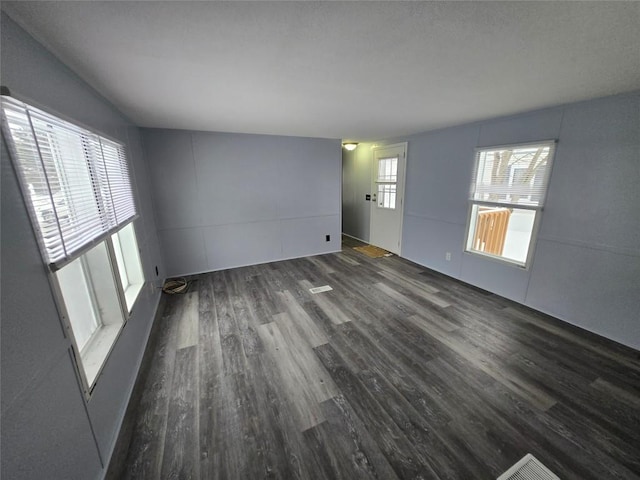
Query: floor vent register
{"type": "Point", "coordinates": [324, 288]}
{"type": "Point", "coordinates": [528, 468]}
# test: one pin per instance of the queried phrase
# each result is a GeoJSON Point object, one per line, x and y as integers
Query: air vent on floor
{"type": "Point", "coordinates": [324, 288]}
{"type": "Point", "coordinates": [529, 468]}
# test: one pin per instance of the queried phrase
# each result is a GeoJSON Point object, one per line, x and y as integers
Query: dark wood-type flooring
{"type": "Point", "coordinates": [398, 372]}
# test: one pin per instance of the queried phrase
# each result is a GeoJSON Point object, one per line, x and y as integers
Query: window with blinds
{"type": "Point", "coordinates": [507, 194]}
{"type": "Point", "coordinates": [76, 185]}
{"type": "Point", "coordinates": [76, 182]}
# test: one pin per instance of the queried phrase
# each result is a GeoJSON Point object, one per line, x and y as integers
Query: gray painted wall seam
{"type": "Point", "coordinates": [266, 220]}
{"type": "Point", "coordinates": [204, 245]}
{"type": "Point", "coordinates": [195, 179]}
{"type": "Point", "coordinates": [480, 127]}
{"type": "Point", "coordinates": [154, 214]}
{"type": "Point", "coordinates": [278, 209]}
{"type": "Point", "coordinates": [537, 231]}
{"type": "Point", "coordinates": [629, 252]}
{"type": "Point", "coordinates": [280, 228]}
{"type": "Point", "coordinates": [437, 219]}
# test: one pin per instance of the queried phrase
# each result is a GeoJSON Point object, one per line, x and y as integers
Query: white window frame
{"type": "Point", "coordinates": [87, 383]}
{"type": "Point", "coordinates": [132, 289]}
{"type": "Point", "coordinates": [105, 238]}
{"type": "Point", "coordinates": [538, 209]}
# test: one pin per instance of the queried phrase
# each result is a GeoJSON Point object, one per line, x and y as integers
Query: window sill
{"type": "Point", "coordinates": [504, 260]}
{"type": "Point", "coordinates": [97, 350]}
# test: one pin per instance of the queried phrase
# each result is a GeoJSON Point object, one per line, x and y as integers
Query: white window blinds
{"type": "Point", "coordinates": [512, 175]}
{"type": "Point", "coordinates": [75, 182]}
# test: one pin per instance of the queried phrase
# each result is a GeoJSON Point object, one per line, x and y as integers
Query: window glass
{"type": "Point", "coordinates": [125, 247]}
{"type": "Point", "coordinates": [503, 232]}
{"type": "Point", "coordinates": [78, 301]}
{"type": "Point", "coordinates": [514, 175]}
{"type": "Point", "coordinates": [92, 305]}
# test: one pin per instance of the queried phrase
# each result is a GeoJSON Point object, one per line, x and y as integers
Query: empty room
{"type": "Point", "coordinates": [320, 240]}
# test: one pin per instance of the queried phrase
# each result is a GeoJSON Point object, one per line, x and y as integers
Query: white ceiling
{"type": "Point", "coordinates": [352, 70]}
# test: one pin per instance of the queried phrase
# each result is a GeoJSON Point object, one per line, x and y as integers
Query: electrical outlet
{"type": "Point", "coordinates": [447, 256]}
{"type": "Point", "coordinates": [327, 238]}
{"type": "Point", "coordinates": [156, 270]}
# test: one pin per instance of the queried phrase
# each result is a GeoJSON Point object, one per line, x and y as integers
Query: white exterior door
{"type": "Point", "coordinates": [387, 203]}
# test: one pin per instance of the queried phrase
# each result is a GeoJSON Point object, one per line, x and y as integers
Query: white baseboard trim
{"type": "Point", "coordinates": [355, 238]}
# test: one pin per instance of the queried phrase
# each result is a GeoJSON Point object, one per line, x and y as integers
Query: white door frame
{"type": "Point", "coordinates": [402, 176]}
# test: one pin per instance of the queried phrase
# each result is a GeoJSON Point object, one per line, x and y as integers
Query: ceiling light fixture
{"type": "Point", "coordinates": [350, 146]}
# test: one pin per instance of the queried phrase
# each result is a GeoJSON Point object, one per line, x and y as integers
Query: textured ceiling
{"type": "Point", "coordinates": [353, 70]}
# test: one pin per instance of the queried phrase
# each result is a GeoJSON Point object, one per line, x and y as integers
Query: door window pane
{"type": "Point", "coordinates": [387, 195]}
{"type": "Point", "coordinates": [388, 169]}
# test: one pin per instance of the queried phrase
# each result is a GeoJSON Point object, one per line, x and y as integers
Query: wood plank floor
{"type": "Point", "coordinates": [398, 372]}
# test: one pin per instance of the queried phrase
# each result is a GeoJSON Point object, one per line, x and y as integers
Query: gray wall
{"type": "Point", "coordinates": [586, 268]}
{"type": "Point", "coordinates": [227, 200]}
{"type": "Point", "coordinates": [48, 429]}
